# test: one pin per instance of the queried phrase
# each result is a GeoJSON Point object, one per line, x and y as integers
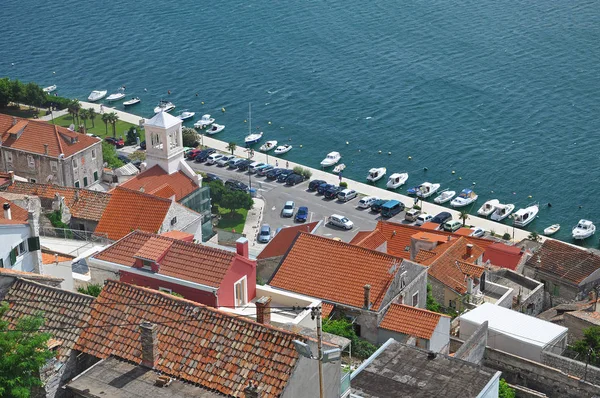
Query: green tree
{"type": "Point", "coordinates": [505, 391]}
{"type": "Point", "coordinates": [233, 200]}
{"type": "Point", "coordinates": [93, 289]}
{"type": "Point", "coordinates": [464, 216]}
{"type": "Point", "coordinates": [506, 236]}
{"type": "Point", "coordinates": [23, 351]}
{"type": "Point", "coordinates": [109, 155]}
{"type": "Point", "coordinates": [131, 136]}
{"type": "Point", "coordinates": [589, 346]}
{"type": "Point", "coordinates": [231, 147]}
{"type": "Point", "coordinates": [113, 118]}
{"type": "Point", "coordinates": [432, 304]}
{"type": "Point", "coordinates": [534, 236]}
{"type": "Point", "coordinates": [16, 91]}
{"type": "Point", "coordinates": [83, 114]}
{"type": "Point", "coordinates": [106, 120]}
{"type": "Point", "coordinates": [5, 93]}
{"type": "Point", "coordinates": [73, 108]}
{"type": "Point", "coordinates": [92, 115]}
{"type": "Point", "coordinates": [343, 327]}
{"type": "Point", "coordinates": [190, 137]}
{"type": "Point", "coordinates": [33, 94]}
{"type": "Point", "coordinates": [216, 192]}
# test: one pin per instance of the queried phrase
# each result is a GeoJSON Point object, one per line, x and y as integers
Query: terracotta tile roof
{"type": "Point", "coordinates": [155, 177]}
{"type": "Point", "coordinates": [453, 265]}
{"type": "Point", "coordinates": [129, 210]}
{"type": "Point", "coordinates": [18, 215]}
{"type": "Point", "coordinates": [154, 249]}
{"type": "Point", "coordinates": [184, 260]}
{"type": "Point", "coordinates": [281, 243]}
{"type": "Point", "coordinates": [360, 235]}
{"type": "Point", "coordinates": [334, 271]}
{"type": "Point", "coordinates": [178, 235]}
{"type": "Point", "coordinates": [412, 321]}
{"type": "Point", "coordinates": [64, 312]}
{"type": "Point", "coordinates": [326, 309]}
{"type": "Point", "coordinates": [28, 275]}
{"type": "Point", "coordinates": [49, 257]}
{"type": "Point", "coordinates": [372, 240]}
{"type": "Point", "coordinates": [31, 135]}
{"type": "Point", "coordinates": [564, 261]}
{"type": "Point", "coordinates": [198, 344]}
{"type": "Point", "coordinates": [164, 191]}
{"type": "Point", "coordinates": [430, 226]}
{"type": "Point", "coordinates": [463, 232]}
{"type": "Point", "coordinates": [425, 257]}
{"type": "Point", "coordinates": [83, 203]}
{"type": "Point", "coordinates": [503, 255]}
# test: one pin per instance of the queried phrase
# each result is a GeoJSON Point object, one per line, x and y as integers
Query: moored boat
{"type": "Point", "coordinates": [283, 149]}
{"type": "Point", "coordinates": [205, 121]}
{"type": "Point", "coordinates": [164, 106]}
{"type": "Point", "coordinates": [396, 180]}
{"type": "Point", "coordinates": [427, 189]}
{"type": "Point", "coordinates": [185, 115]}
{"type": "Point", "coordinates": [502, 211]}
{"type": "Point", "coordinates": [444, 197]}
{"type": "Point", "coordinates": [132, 101]}
{"type": "Point", "coordinates": [267, 146]}
{"type": "Point", "coordinates": [215, 128]}
{"type": "Point", "coordinates": [253, 138]}
{"type": "Point", "coordinates": [524, 217]}
{"type": "Point", "coordinates": [331, 159]}
{"type": "Point", "coordinates": [488, 207]}
{"type": "Point", "coordinates": [583, 230]}
{"type": "Point", "coordinates": [552, 229]}
{"type": "Point", "coordinates": [464, 198]}
{"type": "Point", "coordinates": [339, 168]}
{"type": "Point", "coordinates": [49, 89]}
{"type": "Point", "coordinates": [119, 95]}
{"type": "Point", "coordinates": [376, 174]}
{"type": "Point", "coordinates": [97, 95]}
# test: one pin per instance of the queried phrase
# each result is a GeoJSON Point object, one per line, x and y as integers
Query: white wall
{"type": "Point", "coordinates": [10, 236]}
{"type": "Point", "coordinates": [492, 389]}
{"type": "Point", "coordinates": [440, 340]}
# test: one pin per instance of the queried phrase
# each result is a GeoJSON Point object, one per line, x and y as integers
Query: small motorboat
{"type": "Point", "coordinates": [502, 211]}
{"type": "Point", "coordinates": [267, 146]}
{"type": "Point", "coordinates": [205, 121]}
{"type": "Point", "coordinates": [132, 101]}
{"type": "Point", "coordinates": [488, 207]}
{"type": "Point", "coordinates": [49, 89]}
{"type": "Point", "coordinates": [444, 197]}
{"type": "Point", "coordinates": [283, 149]}
{"type": "Point", "coordinates": [331, 159]}
{"type": "Point", "coordinates": [552, 229]}
{"type": "Point", "coordinates": [525, 216]}
{"type": "Point", "coordinates": [185, 115]}
{"type": "Point", "coordinates": [339, 168]}
{"type": "Point", "coordinates": [583, 230]}
{"type": "Point", "coordinates": [427, 189]}
{"type": "Point", "coordinates": [119, 95]}
{"type": "Point", "coordinates": [253, 138]}
{"type": "Point", "coordinates": [413, 190]}
{"type": "Point", "coordinates": [396, 180]}
{"type": "Point", "coordinates": [376, 174]}
{"type": "Point", "coordinates": [97, 95]}
{"type": "Point", "coordinates": [465, 198]}
{"type": "Point", "coordinates": [164, 106]}
{"type": "Point", "coordinates": [215, 128]}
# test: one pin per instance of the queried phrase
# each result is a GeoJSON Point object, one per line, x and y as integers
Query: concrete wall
{"type": "Point", "coordinates": [304, 382]}
{"type": "Point", "coordinates": [473, 349]}
{"type": "Point", "coordinates": [576, 326]}
{"type": "Point", "coordinates": [11, 235]}
{"type": "Point", "coordinates": [440, 340]}
{"type": "Point", "coordinates": [415, 279]}
{"type": "Point", "coordinates": [83, 225]}
{"type": "Point", "coordinates": [492, 388]}
{"type": "Point", "coordinates": [506, 294]}
{"type": "Point", "coordinates": [266, 267]}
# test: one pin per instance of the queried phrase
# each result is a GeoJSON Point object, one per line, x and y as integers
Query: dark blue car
{"type": "Point", "coordinates": [302, 214]}
{"type": "Point", "coordinates": [324, 187]}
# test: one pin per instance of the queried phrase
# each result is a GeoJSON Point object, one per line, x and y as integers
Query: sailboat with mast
{"type": "Point", "coordinates": [251, 138]}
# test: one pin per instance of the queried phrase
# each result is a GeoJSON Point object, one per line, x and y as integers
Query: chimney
{"type": "Point", "coordinates": [11, 174]}
{"type": "Point", "coordinates": [252, 391]}
{"type": "Point", "coordinates": [7, 214]}
{"type": "Point", "coordinates": [149, 344]}
{"type": "Point", "coordinates": [367, 297]}
{"type": "Point", "coordinates": [449, 238]}
{"type": "Point", "coordinates": [14, 121]}
{"type": "Point", "coordinates": [263, 310]}
{"type": "Point", "coordinates": [469, 284]}
{"type": "Point", "coordinates": [469, 250]}
{"type": "Point", "coordinates": [46, 149]}
{"type": "Point", "coordinates": [241, 247]}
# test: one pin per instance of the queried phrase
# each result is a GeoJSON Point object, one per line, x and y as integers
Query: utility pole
{"type": "Point", "coordinates": [316, 314]}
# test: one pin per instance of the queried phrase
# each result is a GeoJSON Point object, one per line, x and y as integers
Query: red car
{"type": "Point", "coordinates": [118, 142]}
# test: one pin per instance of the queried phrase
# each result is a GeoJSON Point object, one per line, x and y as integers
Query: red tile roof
{"type": "Point", "coordinates": [31, 135]}
{"type": "Point", "coordinates": [184, 260]}
{"type": "Point", "coordinates": [326, 309]}
{"type": "Point", "coordinates": [453, 265]}
{"type": "Point", "coordinates": [196, 343]}
{"type": "Point", "coordinates": [564, 261]}
{"type": "Point", "coordinates": [29, 275]}
{"type": "Point", "coordinates": [155, 178]}
{"type": "Point", "coordinates": [430, 226]}
{"type": "Point", "coordinates": [334, 271]}
{"type": "Point", "coordinates": [18, 215]}
{"type": "Point", "coordinates": [179, 235]}
{"type": "Point", "coordinates": [129, 210]}
{"type": "Point", "coordinates": [371, 240]}
{"type": "Point", "coordinates": [154, 249]}
{"type": "Point", "coordinates": [51, 257]}
{"type": "Point", "coordinates": [280, 244]}
{"type": "Point", "coordinates": [503, 255]}
{"type": "Point", "coordinates": [360, 235]}
{"type": "Point", "coordinates": [412, 321]}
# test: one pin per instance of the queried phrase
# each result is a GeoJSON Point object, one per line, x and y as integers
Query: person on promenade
{"type": "Point", "coordinates": [277, 163]}
{"type": "Point", "coordinates": [287, 164]}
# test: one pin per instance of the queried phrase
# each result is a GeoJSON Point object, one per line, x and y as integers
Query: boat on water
{"type": "Point", "coordinates": [376, 174]}
{"type": "Point", "coordinates": [502, 211]}
{"type": "Point", "coordinates": [427, 189]}
{"type": "Point", "coordinates": [396, 180]}
{"type": "Point", "coordinates": [49, 89]}
{"type": "Point", "coordinates": [215, 128]}
{"type": "Point", "coordinates": [185, 115]}
{"type": "Point", "coordinates": [444, 197]}
{"type": "Point", "coordinates": [339, 168]}
{"type": "Point", "coordinates": [283, 149]}
{"type": "Point", "coordinates": [488, 207]}
{"type": "Point", "coordinates": [552, 229]}
{"type": "Point", "coordinates": [164, 106]}
{"type": "Point", "coordinates": [132, 101]}
{"type": "Point", "coordinates": [583, 230]}
{"type": "Point", "coordinates": [413, 190]}
{"type": "Point", "coordinates": [464, 198]}
{"type": "Point", "coordinates": [267, 146]}
{"type": "Point", "coordinates": [204, 121]}
{"type": "Point", "coordinates": [251, 138]}
{"type": "Point", "coordinates": [97, 95]}
{"type": "Point", "coordinates": [119, 95]}
{"type": "Point", "coordinates": [525, 216]}
{"type": "Point", "coordinates": [331, 159]}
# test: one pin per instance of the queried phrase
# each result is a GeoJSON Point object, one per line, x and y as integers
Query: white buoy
{"type": "Point", "coordinates": [379, 151]}
{"type": "Point", "coordinates": [222, 109]}
{"type": "Point", "coordinates": [474, 183]}
{"type": "Point", "coordinates": [530, 196]}
{"type": "Point", "coordinates": [460, 178]}
{"type": "Point", "coordinates": [202, 102]}
{"type": "Point", "coordinates": [347, 142]}
{"type": "Point", "coordinates": [269, 122]}
{"type": "Point", "coordinates": [410, 158]}
{"type": "Point", "coordinates": [300, 146]}
{"type": "Point", "coordinates": [245, 121]}
{"type": "Point", "coordinates": [389, 153]}
{"type": "Point", "coordinates": [453, 172]}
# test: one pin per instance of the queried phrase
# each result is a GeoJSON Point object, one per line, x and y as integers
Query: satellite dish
{"type": "Point", "coordinates": [72, 127]}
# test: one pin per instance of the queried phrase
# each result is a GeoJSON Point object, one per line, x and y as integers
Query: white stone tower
{"type": "Point", "coordinates": [164, 142]}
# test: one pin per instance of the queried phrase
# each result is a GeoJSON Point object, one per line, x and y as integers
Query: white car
{"type": "Point", "coordinates": [288, 209]}
{"type": "Point", "coordinates": [346, 195]}
{"type": "Point", "coordinates": [340, 221]}
{"type": "Point", "coordinates": [367, 201]}
{"type": "Point", "coordinates": [212, 159]}
{"type": "Point", "coordinates": [478, 232]}
{"type": "Point", "coordinates": [223, 160]}
{"type": "Point", "coordinates": [423, 218]}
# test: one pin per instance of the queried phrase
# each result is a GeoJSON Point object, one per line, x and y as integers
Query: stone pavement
{"type": "Point", "coordinates": [252, 226]}
{"type": "Point", "coordinates": [126, 117]}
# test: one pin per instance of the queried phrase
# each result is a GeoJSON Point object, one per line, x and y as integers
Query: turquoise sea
{"type": "Point", "coordinates": [506, 93]}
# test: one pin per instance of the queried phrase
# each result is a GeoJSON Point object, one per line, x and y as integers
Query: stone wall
{"type": "Point", "coordinates": [576, 326]}
{"type": "Point", "coordinates": [572, 367]}
{"type": "Point", "coordinates": [473, 349]}
{"type": "Point", "coordinates": [266, 267]}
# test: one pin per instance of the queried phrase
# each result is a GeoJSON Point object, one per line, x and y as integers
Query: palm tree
{"type": "Point", "coordinates": [73, 108]}
{"type": "Point", "coordinates": [464, 216]}
{"type": "Point", "coordinates": [113, 118]}
{"type": "Point", "coordinates": [84, 115]}
{"type": "Point", "coordinates": [231, 147]}
{"type": "Point", "coordinates": [534, 236]}
{"type": "Point", "coordinates": [106, 119]}
{"type": "Point", "coordinates": [92, 115]}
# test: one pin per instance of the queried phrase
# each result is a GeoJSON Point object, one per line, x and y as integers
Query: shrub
{"type": "Point", "coordinates": [416, 207]}
{"type": "Point", "coordinates": [344, 184]}
{"type": "Point", "coordinates": [298, 170]}
{"type": "Point", "coordinates": [131, 136]}
{"type": "Point", "coordinates": [109, 155]}
{"type": "Point", "coordinates": [190, 137]}
{"type": "Point", "coordinates": [505, 391]}
{"type": "Point", "coordinates": [92, 289]}
{"type": "Point", "coordinates": [306, 173]}
{"type": "Point", "coordinates": [55, 219]}
{"type": "Point", "coordinates": [343, 327]}
{"type": "Point", "coordinates": [506, 236]}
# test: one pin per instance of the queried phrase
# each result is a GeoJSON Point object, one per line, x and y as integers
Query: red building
{"type": "Point", "coordinates": [204, 274]}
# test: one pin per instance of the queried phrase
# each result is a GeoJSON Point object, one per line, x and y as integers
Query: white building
{"type": "Point", "coordinates": [19, 241]}
{"type": "Point", "coordinates": [514, 332]}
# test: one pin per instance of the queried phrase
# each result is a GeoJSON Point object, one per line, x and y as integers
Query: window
{"type": "Point", "coordinates": [164, 289]}
{"type": "Point", "coordinates": [75, 165]}
{"type": "Point", "coordinates": [30, 161]}
{"type": "Point", "coordinates": [21, 248]}
{"type": "Point", "coordinates": [85, 181]}
{"type": "Point", "coordinates": [33, 180]}
{"type": "Point", "coordinates": [241, 292]}
{"type": "Point", "coordinates": [556, 290]}
{"type": "Point", "coordinates": [9, 157]}
{"type": "Point", "coordinates": [174, 221]}
{"type": "Point", "coordinates": [93, 153]}
{"type": "Point", "coordinates": [415, 299]}
{"type": "Point", "coordinates": [403, 280]}
{"type": "Point", "coordinates": [76, 184]}
{"type": "Point", "coordinates": [95, 175]}
{"type": "Point", "coordinates": [147, 264]}
{"type": "Point", "coordinates": [54, 166]}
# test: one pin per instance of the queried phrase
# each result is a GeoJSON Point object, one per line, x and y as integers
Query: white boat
{"type": "Point", "coordinates": [376, 174]}
{"type": "Point", "coordinates": [502, 211]}
{"type": "Point", "coordinates": [267, 146]}
{"type": "Point", "coordinates": [583, 230]}
{"type": "Point", "coordinates": [185, 115]}
{"type": "Point", "coordinates": [331, 159]}
{"type": "Point", "coordinates": [119, 95]}
{"type": "Point", "coordinates": [49, 89]}
{"type": "Point", "coordinates": [205, 121]}
{"type": "Point", "coordinates": [488, 207]}
{"type": "Point", "coordinates": [132, 101]}
{"type": "Point", "coordinates": [215, 128]}
{"type": "Point", "coordinates": [444, 197]}
{"type": "Point", "coordinates": [397, 180]}
{"type": "Point", "coordinates": [465, 198]}
{"type": "Point", "coordinates": [253, 138]}
{"type": "Point", "coordinates": [339, 168]}
{"type": "Point", "coordinates": [283, 149]}
{"type": "Point", "coordinates": [427, 189]}
{"type": "Point", "coordinates": [552, 229]}
{"type": "Point", "coordinates": [525, 216]}
{"type": "Point", "coordinates": [164, 106]}
{"type": "Point", "coordinates": [97, 95]}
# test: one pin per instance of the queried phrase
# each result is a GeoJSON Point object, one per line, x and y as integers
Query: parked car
{"type": "Point", "coordinates": [202, 156]}
{"type": "Point", "coordinates": [452, 225]}
{"type": "Point", "coordinates": [233, 163]}
{"type": "Point", "coordinates": [294, 179]}
{"type": "Point", "coordinates": [192, 153]}
{"type": "Point", "coordinates": [478, 232]}
{"type": "Point", "coordinates": [243, 166]}
{"type": "Point", "coordinates": [264, 169]}
{"type": "Point", "coordinates": [273, 174]}
{"type": "Point", "coordinates": [224, 160]}
{"type": "Point", "coordinates": [265, 234]}
{"type": "Point", "coordinates": [340, 221]}
{"type": "Point", "coordinates": [442, 217]}
{"type": "Point", "coordinates": [288, 209]}
{"type": "Point", "coordinates": [423, 218]}
{"type": "Point", "coordinates": [236, 185]}
{"type": "Point", "coordinates": [321, 189]}
{"type": "Point", "coordinates": [253, 167]}
{"type": "Point", "coordinates": [211, 177]}
{"type": "Point", "coordinates": [284, 175]}
{"type": "Point", "coordinates": [412, 215]}
{"type": "Point", "coordinates": [143, 145]}
{"type": "Point", "coordinates": [346, 195]}
{"type": "Point", "coordinates": [367, 201]}
{"type": "Point", "coordinates": [391, 208]}
{"type": "Point", "coordinates": [123, 158]}
{"type": "Point", "coordinates": [376, 205]}
{"type": "Point", "coordinates": [302, 214]}
{"type": "Point", "coordinates": [314, 184]}
{"type": "Point", "coordinates": [212, 159]}
{"type": "Point", "coordinates": [118, 142]}
{"type": "Point", "coordinates": [332, 192]}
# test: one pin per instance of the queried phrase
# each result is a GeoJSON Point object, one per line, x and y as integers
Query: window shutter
{"type": "Point", "coordinates": [33, 243]}
{"type": "Point", "coordinates": [13, 256]}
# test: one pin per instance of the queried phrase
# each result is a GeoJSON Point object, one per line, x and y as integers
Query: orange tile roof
{"type": "Point", "coordinates": [164, 191]}
{"type": "Point", "coordinates": [154, 249]}
{"type": "Point", "coordinates": [326, 309]}
{"type": "Point", "coordinates": [36, 133]}
{"type": "Point", "coordinates": [453, 265]}
{"type": "Point", "coordinates": [503, 255]}
{"type": "Point", "coordinates": [184, 260]}
{"type": "Point", "coordinates": [424, 256]}
{"type": "Point", "coordinates": [464, 232]}
{"type": "Point", "coordinates": [197, 344]}
{"type": "Point", "coordinates": [334, 271]}
{"type": "Point", "coordinates": [155, 177]}
{"type": "Point", "coordinates": [18, 215]}
{"type": "Point", "coordinates": [29, 275]}
{"type": "Point", "coordinates": [412, 321]}
{"type": "Point", "coordinates": [179, 235]}
{"type": "Point", "coordinates": [51, 257]}
{"type": "Point", "coordinates": [83, 203]}
{"type": "Point", "coordinates": [430, 226]}
{"type": "Point", "coordinates": [360, 235]}
{"type": "Point", "coordinates": [372, 240]}
{"type": "Point", "coordinates": [129, 210]}
{"type": "Point", "coordinates": [281, 243]}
